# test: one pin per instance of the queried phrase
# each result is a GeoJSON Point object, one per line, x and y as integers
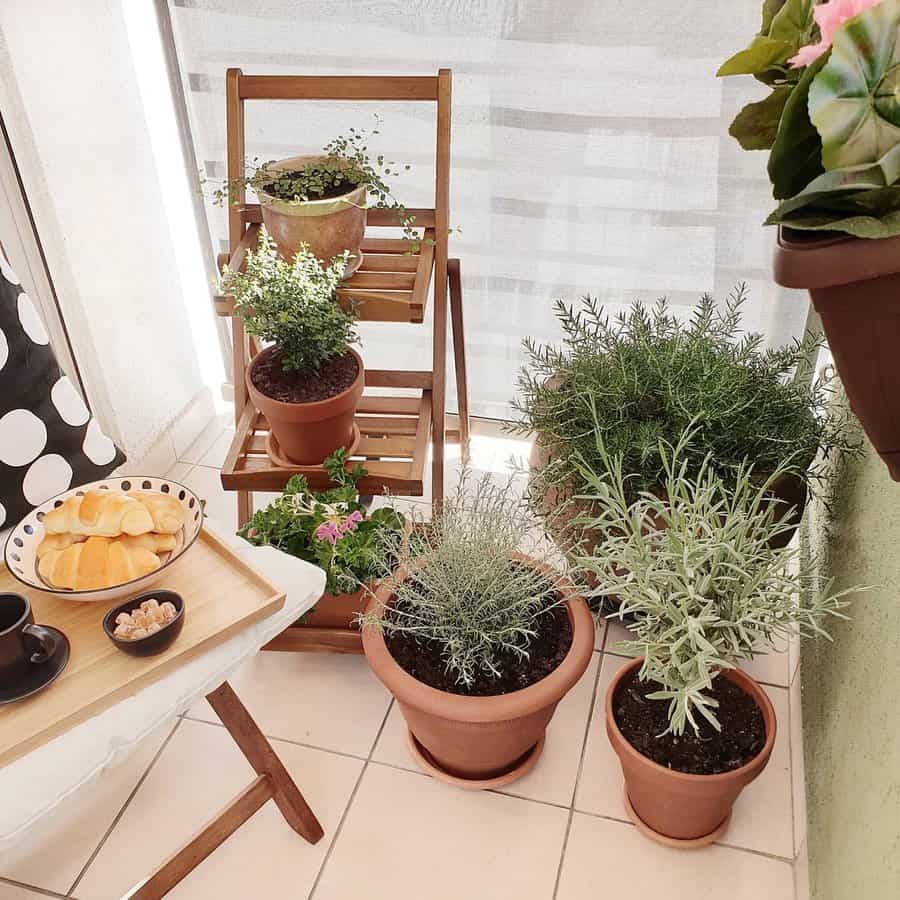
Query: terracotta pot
{"type": "Point", "coordinates": [854, 285]}
{"type": "Point", "coordinates": [308, 432]}
{"type": "Point", "coordinates": [335, 611]}
{"type": "Point", "coordinates": [675, 805]}
{"type": "Point", "coordinates": [481, 738]}
{"type": "Point", "coordinates": [330, 226]}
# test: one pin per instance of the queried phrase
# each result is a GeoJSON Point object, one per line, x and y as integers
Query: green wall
{"type": "Point", "coordinates": [851, 694]}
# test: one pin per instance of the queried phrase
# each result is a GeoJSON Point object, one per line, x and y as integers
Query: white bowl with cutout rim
{"type": "Point", "coordinates": [20, 553]}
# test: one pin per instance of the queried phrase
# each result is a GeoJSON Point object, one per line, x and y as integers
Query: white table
{"type": "Point", "coordinates": [36, 786]}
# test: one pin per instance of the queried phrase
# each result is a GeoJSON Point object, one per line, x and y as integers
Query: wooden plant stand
{"type": "Point", "coordinates": [392, 285]}
{"type": "Point", "coordinates": [273, 782]}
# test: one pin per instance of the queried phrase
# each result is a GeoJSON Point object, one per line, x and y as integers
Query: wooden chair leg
{"type": "Point", "coordinates": [262, 757]}
{"type": "Point", "coordinates": [272, 783]}
{"type": "Point", "coordinates": [459, 354]}
{"type": "Point", "coordinates": [244, 507]}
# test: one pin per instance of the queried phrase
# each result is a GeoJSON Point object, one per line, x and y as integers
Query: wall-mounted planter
{"type": "Point", "coordinates": [854, 285]}
{"type": "Point", "coordinates": [676, 808]}
{"type": "Point", "coordinates": [330, 225]}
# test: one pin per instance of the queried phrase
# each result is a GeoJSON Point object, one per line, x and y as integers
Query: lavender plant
{"type": "Point", "coordinates": [696, 569]}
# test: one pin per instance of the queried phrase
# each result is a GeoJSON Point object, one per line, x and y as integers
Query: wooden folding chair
{"type": "Point", "coordinates": [392, 285]}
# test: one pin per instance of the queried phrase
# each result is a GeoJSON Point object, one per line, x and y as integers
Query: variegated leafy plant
{"type": "Point", "coordinates": [834, 127]}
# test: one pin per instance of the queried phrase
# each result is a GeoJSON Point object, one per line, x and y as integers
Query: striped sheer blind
{"type": "Point", "coordinates": [590, 150]}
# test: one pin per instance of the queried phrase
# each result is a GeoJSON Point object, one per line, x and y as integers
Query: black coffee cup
{"type": "Point", "coordinates": [22, 643]}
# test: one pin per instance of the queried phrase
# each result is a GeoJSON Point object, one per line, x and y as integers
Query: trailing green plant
{"type": "Point", "coordinates": [330, 529]}
{"type": "Point", "coordinates": [345, 166]}
{"type": "Point", "coordinates": [696, 570]}
{"type": "Point", "coordinates": [463, 584]}
{"type": "Point", "coordinates": [643, 377]}
{"type": "Point", "coordinates": [293, 304]}
{"type": "Point", "coordinates": [832, 119]}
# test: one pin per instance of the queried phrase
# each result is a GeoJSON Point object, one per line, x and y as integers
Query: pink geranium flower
{"type": "Point", "coordinates": [334, 528]}
{"type": "Point", "coordinates": [829, 17]}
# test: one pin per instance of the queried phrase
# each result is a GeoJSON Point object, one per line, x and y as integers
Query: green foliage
{"type": "Point", "coordinates": [292, 304]}
{"type": "Point", "coordinates": [639, 380]}
{"type": "Point", "coordinates": [464, 590]}
{"type": "Point", "coordinates": [298, 521]}
{"type": "Point", "coordinates": [854, 102]}
{"type": "Point", "coordinates": [835, 122]}
{"type": "Point", "coordinates": [347, 163]}
{"type": "Point", "coordinates": [696, 570]}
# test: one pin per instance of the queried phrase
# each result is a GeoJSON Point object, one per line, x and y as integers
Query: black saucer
{"type": "Point", "coordinates": [40, 674]}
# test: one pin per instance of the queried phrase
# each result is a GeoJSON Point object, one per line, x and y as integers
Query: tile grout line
{"type": "Point", "coordinates": [32, 888]}
{"type": "Point", "coordinates": [121, 812]}
{"type": "Point", "coordinates": [562, 853]}
{"type": "Point", "coordinates": [340, 825]}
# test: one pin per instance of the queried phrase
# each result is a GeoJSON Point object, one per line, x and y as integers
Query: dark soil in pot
{"type": "Point", "coordinates": [424, 661]}
{"type": "Point", "coordinates": [304, 385]}
{"type": "Point", "coordinates": [642, 722]}
{"type": "Point", "coordinates": [333, 190]}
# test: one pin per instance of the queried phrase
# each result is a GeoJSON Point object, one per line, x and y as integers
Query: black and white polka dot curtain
{"type": "Point", "coordinates": [49, 441]}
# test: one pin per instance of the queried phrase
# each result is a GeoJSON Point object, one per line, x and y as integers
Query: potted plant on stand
{"type": "Point", "coordinates": [309, 382]}
{"type": "Point", "coordinates": [646, 376]}
{"type": "Point", "coordinates": [320, 200]}
{"type": "Point", "coordinates": [477, 636]}
{"type": "Point", "coordinates": [832, 125]}
{"type": "Point", "coordinates": [707, 590]}
{"type": "Point", "coordinates": [333, 530]}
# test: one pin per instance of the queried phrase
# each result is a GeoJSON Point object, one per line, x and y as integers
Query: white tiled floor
{"type": "Point", "coordinates": [561, 833]}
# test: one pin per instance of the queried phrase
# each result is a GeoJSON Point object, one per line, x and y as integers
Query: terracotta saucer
{"type": "Point", "coordinates": [277, 457]}
{"type": "Point", "coordinates": [427, 764]}
{"type": "Point", "coordinates": [676, 843]}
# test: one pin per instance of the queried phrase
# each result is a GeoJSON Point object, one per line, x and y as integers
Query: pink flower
{"type": "Point", "coordinates": [334, 528]}
{"type": "Point", "coordinates": [350, 523]}
{"type": "Point", "coordinates": [328, 531]}
{"type": "Point", "coordinates": [829, 17]}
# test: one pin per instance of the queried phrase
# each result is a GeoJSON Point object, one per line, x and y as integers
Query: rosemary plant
{"type": "Point", "coordinates": [292, 304]}
{"type": "Point", "coordinates": [466, 588]}
{"type": "Point", "coordinates": [641, 378]}
{"type": "Point", "coordinates": [697, 571]}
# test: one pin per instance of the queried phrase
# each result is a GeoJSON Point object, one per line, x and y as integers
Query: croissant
{"type": "Point", "coordinates": [97, 563]}
{"type": "Point", "coordinates": [101, 513]}
{"type": "Point", "coordinates": [56, 542]}
{"type": "Point", "coordinates": [155, 543]}
{"type": "Point", "coordinates": [166, 511]}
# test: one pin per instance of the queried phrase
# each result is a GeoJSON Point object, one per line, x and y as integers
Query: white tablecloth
{"type": "Point", "coordinates": [36, 786]}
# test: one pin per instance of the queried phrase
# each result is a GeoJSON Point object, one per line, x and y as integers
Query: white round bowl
{"type": "Point", "coordinates": [20, 553]}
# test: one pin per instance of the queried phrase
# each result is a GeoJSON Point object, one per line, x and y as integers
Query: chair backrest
{"type": "Point", "coordinates": [433, 88]}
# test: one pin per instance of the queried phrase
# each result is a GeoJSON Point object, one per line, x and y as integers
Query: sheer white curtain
{"type": "Point", "coordinates": [590, 149]}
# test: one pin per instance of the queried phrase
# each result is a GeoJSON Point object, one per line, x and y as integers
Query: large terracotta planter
{"type": "Point", "coordinates": [308, 432]}
{"type": "Point", "coordinates": [329, 226]}
{"type": "Point", "coordinates": [676, 807]}
{"type": "Point", "coordinates": [474, 741]}
{"type": "Point", "coordinates": [854, 285]}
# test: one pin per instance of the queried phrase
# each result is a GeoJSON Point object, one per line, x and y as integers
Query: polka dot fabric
{"type": "Point", "coordinates": [48, 440]}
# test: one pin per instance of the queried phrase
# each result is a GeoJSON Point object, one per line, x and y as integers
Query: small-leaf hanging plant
{"type": "Point", "coordinates": [832, 118]}
{"type": "Point", "coordinates": [321, 199]}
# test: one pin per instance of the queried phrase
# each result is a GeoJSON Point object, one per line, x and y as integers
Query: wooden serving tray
{"type": "Point", "coordinates": [222, 595]}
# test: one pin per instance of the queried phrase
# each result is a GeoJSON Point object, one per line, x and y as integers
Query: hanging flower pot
{"type": "Point", "coordinates": [329, 223]}
{"type": "Point", "coordinates": [854, 285]}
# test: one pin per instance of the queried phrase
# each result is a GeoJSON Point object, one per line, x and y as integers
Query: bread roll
{"type": "Point", "coordinates": [155, 543]}
{"type": "Point", "coordinates": [99, 513]}
{"type": "Point", "coordinates": [166, 512]}
{"type": "Point", "coordinates": [97, 563]}
{"type": "Point", "coordinates": [56, 542]}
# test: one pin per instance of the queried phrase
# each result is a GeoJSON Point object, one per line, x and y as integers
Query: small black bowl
{"type": "Point", "coordinates": [153, 643]}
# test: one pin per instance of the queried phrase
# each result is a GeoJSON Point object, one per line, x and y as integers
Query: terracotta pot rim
{"type": "Point", "coordinates": [308, 207]}
{"type": "Point", "coordinates": [745, 682]}
{"type": "Point", "coordinates": [313, 406]}
{"type": "Point", "coordinates": [500, 706]}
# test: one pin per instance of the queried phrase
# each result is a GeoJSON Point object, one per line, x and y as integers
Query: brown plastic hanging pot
{"type": "Point", "coordinates": [676, 808]}
{"type": "Point", "coordinates": [481, 742]}
{"type": "Point", "coordinates": [329, 226]}
{"type": "Point", "coordinates": [306, 433]}
{"type": "Point", "coordinates": [854, 285]}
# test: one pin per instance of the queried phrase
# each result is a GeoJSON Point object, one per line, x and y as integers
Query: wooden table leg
{"type": "Point", "coordinates": [459, 354]}
{"type": "Point", "coordinates": [272, 783]}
